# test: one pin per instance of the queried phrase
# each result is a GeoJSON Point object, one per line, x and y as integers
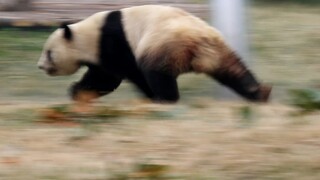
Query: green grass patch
{"type": "Point", "coordinates": [307, 100]}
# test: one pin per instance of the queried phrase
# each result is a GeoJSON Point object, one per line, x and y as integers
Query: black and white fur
{"type": "Point", "coordinates": [149, 45]}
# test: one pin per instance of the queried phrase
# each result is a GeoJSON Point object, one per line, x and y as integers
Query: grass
{"type": "Point", "coordinates": [284, 49]}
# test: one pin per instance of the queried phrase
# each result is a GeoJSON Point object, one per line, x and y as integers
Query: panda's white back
{"type": "Point", "coordinates": [151, 28]}
{"type": "Point", "coordinates": [160, 22]}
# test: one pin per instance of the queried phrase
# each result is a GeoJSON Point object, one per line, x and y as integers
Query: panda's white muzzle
{"type": "Point", "coordinates": [49, 69]}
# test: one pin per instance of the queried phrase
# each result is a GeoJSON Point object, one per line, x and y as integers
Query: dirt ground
{"type": "Point", "coordinates": [205, 139]}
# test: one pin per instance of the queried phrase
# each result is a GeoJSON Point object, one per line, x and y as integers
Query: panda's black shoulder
{"type": "Point", "coordinates": [115, 51]}
{"type": "Point", "coordinates": [113, 22]}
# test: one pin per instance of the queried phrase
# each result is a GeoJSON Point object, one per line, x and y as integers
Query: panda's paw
{"type": "Point", "coordinates": [264, 93]}
{"type": "Point", "coordinates": [81, 93]}
{"type": "Point", "coordinates": [74, 90]}
{"type": "Point", "coordinates": [84, 93]}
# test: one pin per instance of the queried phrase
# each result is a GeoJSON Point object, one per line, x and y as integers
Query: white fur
{"type": "Point", "coordinates": [181, 40]}
{"type": "Point", "coordinates": [84, 46]}
{"type": "Point", "coordinates": [153, 29]}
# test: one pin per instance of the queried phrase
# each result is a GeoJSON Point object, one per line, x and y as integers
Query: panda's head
{"type": "Point", "coordinates": [60, 54]}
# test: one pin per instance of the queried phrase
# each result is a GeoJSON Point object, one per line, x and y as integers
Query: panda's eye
{"type": "Point", "coordinates": [49, 56]}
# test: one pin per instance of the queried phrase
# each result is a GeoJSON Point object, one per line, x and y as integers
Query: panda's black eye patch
{"type": "Point", "coordinates": [49, 55]}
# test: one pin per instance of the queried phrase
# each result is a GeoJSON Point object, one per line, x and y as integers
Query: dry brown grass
{"type": "Point", "coordinates": [211, 141]}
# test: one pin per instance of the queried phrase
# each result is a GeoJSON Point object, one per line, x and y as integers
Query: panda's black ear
{"type": "Point", "coordinates": [67, 34]}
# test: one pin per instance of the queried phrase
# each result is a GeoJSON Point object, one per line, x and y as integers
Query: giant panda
{"type": "Point", "coordinates": [149, 45]}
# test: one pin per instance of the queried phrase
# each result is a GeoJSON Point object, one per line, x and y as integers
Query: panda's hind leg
{"type": "Point", "coordinates": [163, 85]}
{"type": "Point", "coordinates": [137, 77]}
{"type": "Point", "coordinates": [234, 74]}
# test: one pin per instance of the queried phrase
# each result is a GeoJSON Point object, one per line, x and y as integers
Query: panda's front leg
{"type": "Point", "coordinates": [163, 85]}
{"type": "Point", "coordinates": [96, 81]}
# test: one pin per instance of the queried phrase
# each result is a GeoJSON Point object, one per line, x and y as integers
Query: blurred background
{"type": "Point", "coordinates": [208, 137]}
{"type": "Point", "coordinates": [283, 38]}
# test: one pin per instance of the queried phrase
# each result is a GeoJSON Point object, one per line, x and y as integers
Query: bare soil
{"type": "Point", "coordinates": [205, 139]}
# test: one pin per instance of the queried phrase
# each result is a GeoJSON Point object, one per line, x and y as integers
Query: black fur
{"type": "Point", "coordinates": [96, 79]}
{"type": "Point", "coordinates": [118, 62]}
{"type": "Point", "coordinates": [245, 85]}
{"type": "Point", "coordinates": [67, 32]}
{"type": "Point", "coordinates": [163, 85]}
{"type": "Point", "coordinates": [235, 75]}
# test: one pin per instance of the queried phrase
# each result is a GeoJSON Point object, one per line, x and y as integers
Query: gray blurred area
{"type": "Point", "coordinates": [61, 10]}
